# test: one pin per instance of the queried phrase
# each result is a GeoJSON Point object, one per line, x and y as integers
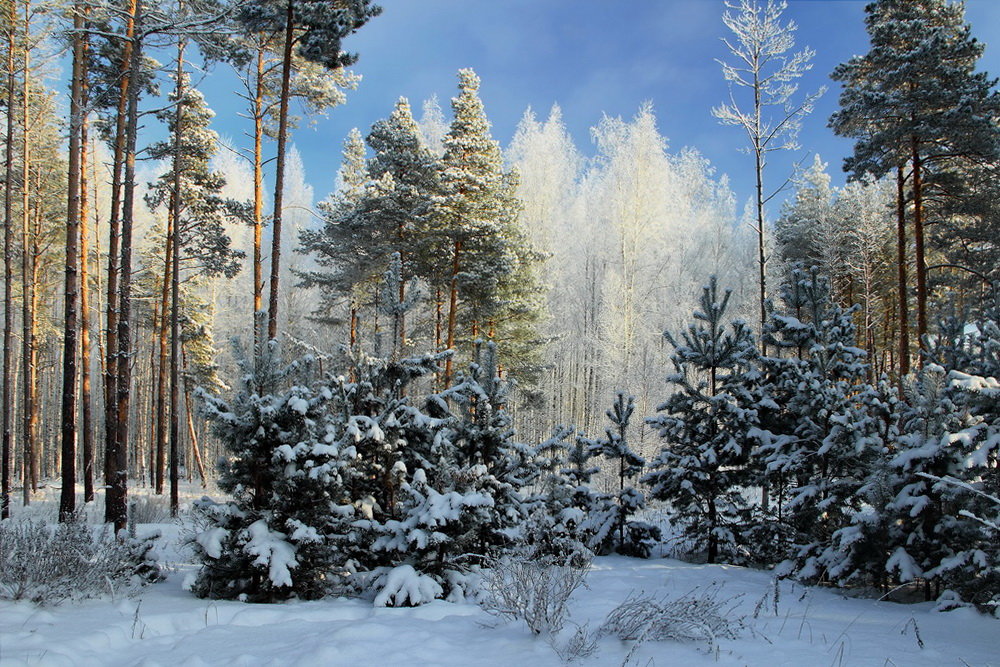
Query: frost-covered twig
{"type": "Point", "coordinates": [535, 591]}
{"type": "Point", "coordinates": [697, 616]}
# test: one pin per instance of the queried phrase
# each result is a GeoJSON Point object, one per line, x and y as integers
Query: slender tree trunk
{"type": "Point", "coordinates": [195, 450]}
{"type": "Point", "coordinates": [258, 197]}
{"type": "Point", "coordinates": [29, 278]}
{"type": "Point", "coordinates": [118, 492]}
{"type": "Point", "coordinates": [31, 450]}
{"type": "Point", "coordinates": [452, 310]}
{"type": "Point", "coordinates": [904, 311]}
{"type": "Point", "coordinates": [157, 391]}
{"type": "Point", "coordinates": [67, 500]}
{"type": "Point", "coordinates": [115, 507]}
{"type": "Point", "coordinates": [8, 261]}
{"type": "Point", "coordinates": [279, 172]}
{"type": "Point", "coordinates": [162, 338]}
{"type": "Point", "coordinates": [438, 310]}
{"type": "Point", "coordinates": [918, 235]}
{"type": "Point", "coordinates": [86, 413]}
{"type": "Point", "coordinates": [175, 333]}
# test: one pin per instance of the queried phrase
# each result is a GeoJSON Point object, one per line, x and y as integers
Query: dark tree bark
{"type": "Point", "coordinates": [904, 311]}
{"type": "Point", "coordinates": [112, 509]}
{"type": "Point", "coordinates": [86, 399]}
{"type": "Point", "coordinates": [279, 175]}
{"type": "Point", "coordinates": [118, 490]}
{"type": "Point", "coordinates": [67, 499]}
{"type": "Point", "coordinates": [8, 259]}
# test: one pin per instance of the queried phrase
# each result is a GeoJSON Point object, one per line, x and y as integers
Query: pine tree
{"type": "Point", "coordinates": [480, 256]}
{"type": "Point", "coordinates": [483, 435]}
{"type": "Point", "coordinates": [269, 542]}
{"type": "Point", "coordinates": [915, 98]}
{"type": "Point", "coordinates": [315, 30]}
{"type": "Point", "coordinates": [708, 425]}
{"type": "Point", "coordinates": [378, 213]}
{"type": "Point", "coordinates": [196, 239]}
{"type": "Point", "coordinates": [626, 464]}
{"type": "Point", "coordinates": [946, 463]}
{"type": "Point", "coordinates": [822, 438]}
{"type": "Point", "coordinates": [342, 228]}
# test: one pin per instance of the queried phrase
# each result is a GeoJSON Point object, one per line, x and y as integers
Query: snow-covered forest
{"type": "Point", "coordinates": [478, 370]}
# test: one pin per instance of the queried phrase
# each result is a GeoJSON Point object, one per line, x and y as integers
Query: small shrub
{"type": "Point", "coordinates": [144, 509]}
{"type": "Point", "coordinates": [48, 564]}
{"type": "Point", "coordinates": [698, 616]}
{"type": "Point", "coordinates": [534, 591]}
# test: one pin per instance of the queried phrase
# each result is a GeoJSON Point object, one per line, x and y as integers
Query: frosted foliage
{"type": "Point", "coordinates": [632, 232]}
{"type": "Point", "coordinates": [404, 586]}
{"type": "Point", "coordinates": [271, 550]}
{"type": "Point", "coordinates": [433, 126]}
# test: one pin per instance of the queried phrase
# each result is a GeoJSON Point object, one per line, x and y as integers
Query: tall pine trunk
{"type": "Point", "coordinates": [86, 412]}
{"type": "Point", "coordinates": [8, 261]}
{"type": "Point", "coordinates": [118, 492]}
{"type": "Point", "coordinates": [175, 334]}
{"type": "Point", "coordinates": [279, 172]}
{"type": "Point", "coordinates": [918, 236]}
{"type": "Point", "coordinates": [258, 197]}
{"type": "Point", "coordinates": [67, 499]}
{"type": "Point", "coordinates": [904, 311]}
{"type": "Point", "coordinates": [162, 337]}
{"type": "Point", "coordinates": [113, 513]}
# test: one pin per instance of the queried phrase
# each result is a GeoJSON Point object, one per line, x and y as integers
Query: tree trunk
{"type": "Point", "coordinates": [918, 235]}
{"type": "Point", "coordinates": [175, 334]}
{"type": "Point", "coordinates": [8, 262]}
{"type": "Point", "coordinates": [195, 452]}
{"type": "Point", "coordinates": [67, 499]}
{"type": "Point", "coordinates": [452, 310]}
{"type": "Point", "coordinates": [117, 502]}
{"type": "Point", "coordinates": [904, 311]}
{"type": "Point", "coordinates": [31, 409]}
{"type": "Point", "coordinates": [258, 197]}
{"type": "Point", "coordinates": [86, 414]}
{"type": "Point", "coordinates": [163, 360]}
{"type": "Point", "coordinates": [115, 506]}
{"type": "Point", "coordinates": [279, 172]}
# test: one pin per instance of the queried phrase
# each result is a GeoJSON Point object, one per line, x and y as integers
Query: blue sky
{"type": "Point", "coordinates": [591, 57]}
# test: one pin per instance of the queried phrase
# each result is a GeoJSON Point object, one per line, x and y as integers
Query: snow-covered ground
{"type": "Point", "coordinates": [165, 625]}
